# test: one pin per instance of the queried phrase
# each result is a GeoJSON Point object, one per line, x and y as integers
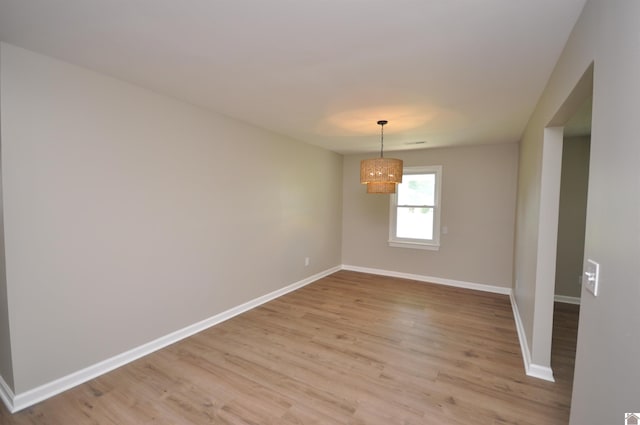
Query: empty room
{"type": "Point", "coordinates": [338, 212]}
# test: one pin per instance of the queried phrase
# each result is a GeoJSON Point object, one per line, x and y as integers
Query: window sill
{"type": "Point", "coordinates": [414, 245]}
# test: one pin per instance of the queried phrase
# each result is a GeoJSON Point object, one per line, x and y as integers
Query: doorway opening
{"type": "Point", "coordinates": [553, 256]}
{"type": "Point", "coordinates": [572, 215]}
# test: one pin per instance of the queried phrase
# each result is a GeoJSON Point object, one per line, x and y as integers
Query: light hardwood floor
{"type": "Point", "coordinates": [351, 348]}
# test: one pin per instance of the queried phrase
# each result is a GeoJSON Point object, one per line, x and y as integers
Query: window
{"type": "Point", "coordinates": [415, 209]}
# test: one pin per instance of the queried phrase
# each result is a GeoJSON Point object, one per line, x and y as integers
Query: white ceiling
{"type": "Point", "coordinates": [444, 72]}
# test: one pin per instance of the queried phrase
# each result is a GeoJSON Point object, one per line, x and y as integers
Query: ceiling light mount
{"type": "Point", "coordinates": [382, 123]}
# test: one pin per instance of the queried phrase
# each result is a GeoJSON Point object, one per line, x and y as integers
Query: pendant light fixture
{"type": "Point", "coordinates": [381, 175]}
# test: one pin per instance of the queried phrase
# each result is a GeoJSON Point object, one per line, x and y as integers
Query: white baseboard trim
{"type": "Point", "coordinates": [431, 279]}
{"type": "Point", "coordinates": [26, 399]}
{"type": "Point", "coordinates": [531, 369]}
{"type": "Point", "coordinates": [566, 299]}
{"type": "Point", "coordinates": [6, 394]}
{"type": "Point", "coordinates": [540, 372]}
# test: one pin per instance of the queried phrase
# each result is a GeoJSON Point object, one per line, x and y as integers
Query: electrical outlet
{"type": "Point", "coordinates": [591, 276]}
{"type": "Point", "coordinates": [306, 261]}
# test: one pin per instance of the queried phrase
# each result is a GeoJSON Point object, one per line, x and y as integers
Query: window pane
{"type": "Point", "coordinates": [417, 189]}
{"type": "Point", "coordinates": [415, 223]}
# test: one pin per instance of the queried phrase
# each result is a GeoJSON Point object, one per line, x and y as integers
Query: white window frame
{"type": "Point", "coordinates": [428, 244]}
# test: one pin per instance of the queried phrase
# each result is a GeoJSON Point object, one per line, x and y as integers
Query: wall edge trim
{"type": "Point", "coordinates": [430, 279]}
{"type": "Point", "coordinates": [531, 369]}
{"type": "Point", "coordinates": [6, 394]}
{"type": "Point", "coordinates": [566, 299]}
{"type": "Point", "coordinates": [28, 398]}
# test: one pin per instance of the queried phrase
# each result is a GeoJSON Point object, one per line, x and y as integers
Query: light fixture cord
{"type": "Point", "coordinates": [381, 140]}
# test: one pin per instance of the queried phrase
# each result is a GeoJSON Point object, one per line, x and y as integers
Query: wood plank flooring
{"type": "Point", "coordinates": [351, 348]}
{"type": "Point", "coordinates": [565, 336]}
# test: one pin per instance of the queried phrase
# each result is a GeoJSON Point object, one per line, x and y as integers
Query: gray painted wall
{"type": "Point", "coordinates": [478, 208]}
{"type": "Point", "coordinates": [606, 372]}
{"type": "Point", "coordinates": [572, 216]}
{"type": "Point", "coordinates": [6, 368]}
{"type": "Point", "coordinates": [129, 215]}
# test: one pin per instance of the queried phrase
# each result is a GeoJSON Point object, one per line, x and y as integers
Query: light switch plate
{"type": "Point", "coordinates": [591, 276]}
